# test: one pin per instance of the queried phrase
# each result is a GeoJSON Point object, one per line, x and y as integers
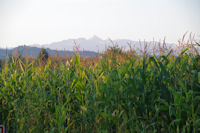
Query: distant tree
{"type": "Point", "coordinates": [0, 63]}
{"type": "Point", "coordinates": [43, 55]}
{"type": "Point", "coordinates": [115, 49]}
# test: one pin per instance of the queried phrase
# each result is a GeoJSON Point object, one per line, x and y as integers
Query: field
{"type": "Point", "coordinates": [118, 91]}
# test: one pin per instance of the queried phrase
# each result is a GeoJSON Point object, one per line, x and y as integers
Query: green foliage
{"type": "Point", "coordinates": [143, 94]}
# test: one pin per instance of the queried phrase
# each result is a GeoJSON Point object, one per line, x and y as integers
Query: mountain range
{"type": "Point", "coordinates": [90, 46]}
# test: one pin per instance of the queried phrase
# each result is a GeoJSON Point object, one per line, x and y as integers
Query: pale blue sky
{"type": "Point", "coordinates": [45, 21]}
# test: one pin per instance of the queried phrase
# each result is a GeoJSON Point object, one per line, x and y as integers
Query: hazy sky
{"type": "Point", "coordinates": [45, 21]}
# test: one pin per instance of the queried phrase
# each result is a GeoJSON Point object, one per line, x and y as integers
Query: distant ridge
{"type": "Point", "coordinates": [34, 51]}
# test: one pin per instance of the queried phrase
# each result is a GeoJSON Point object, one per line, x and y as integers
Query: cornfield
{"type": "Point", "coordinates": [114, 92]}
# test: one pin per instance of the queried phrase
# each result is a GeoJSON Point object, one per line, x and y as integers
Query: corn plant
{"type": "Point", "coordinates": [138, 94]}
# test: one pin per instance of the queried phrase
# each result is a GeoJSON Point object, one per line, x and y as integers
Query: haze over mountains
{"type": "Point", "coordinates": [95, 44]}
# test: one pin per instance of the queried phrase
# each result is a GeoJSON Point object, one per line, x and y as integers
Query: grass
{"type": "Point", "coordinates": [115, 92]}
